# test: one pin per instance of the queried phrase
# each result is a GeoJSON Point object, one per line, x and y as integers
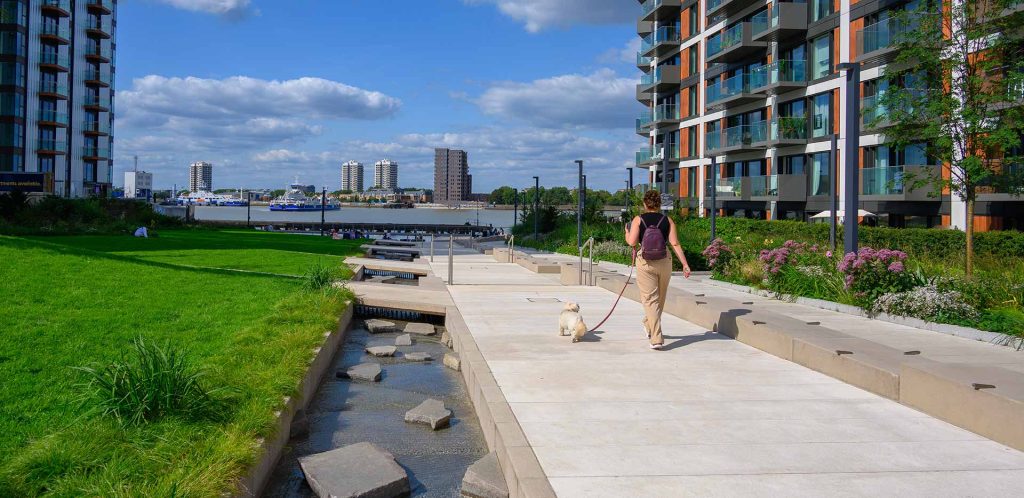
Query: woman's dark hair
{"type": "Point", "coordinates": [652, 200]}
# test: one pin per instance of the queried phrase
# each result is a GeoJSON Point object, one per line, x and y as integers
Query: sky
{"type": "Point", "coordinates": [270, 90]}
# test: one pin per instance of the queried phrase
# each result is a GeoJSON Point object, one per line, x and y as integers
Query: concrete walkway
{"type": "Point", "coordinates": [708, 416]}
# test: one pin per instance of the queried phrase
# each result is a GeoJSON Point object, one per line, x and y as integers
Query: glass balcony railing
{"type": "Point", "coordinates": [96, 126]}
{"type": "Point", "coordinates": [98, 24]}
{"type": "Point", "coordinates": [713, 140]}
{"type": "Point", "coordinates": [821, 184]}
{"type": "Point", "coordinates": [643, 156]}
{"type": "Point", "coordinates": [53, 87]}
{"type": "Point", "coordinates": [657, 153]}
{"type": "Point", "coordinates": [781, 71]}
{"type": "Point", "coordinates": [734, 85]}
{"type": "Point", "coordinates": [788, 128]}
{"type": "Point", "coordinates": [95, 100]}
{"type": "Point", "coordinates": [102, 76]}
{"type": "Point", "coordinates": [643, 61]}
{"type": "Point", "coordinates": [643, 122]}
{"type": "Point", "coordinates": [97, 51]}
{"type": "Point", "coordinates": [725, 39]}
{"type": "Point", "coordinates": [60, 4]}
{"type": "Point", "coordinates": [882, 34]}
{"type": "Point", "coordinates": [107, 4]}
{"type": "Point", "coordinates": [660, 74]}
{"type": "Point", "coordinates": [738, 136]}
{"type": "Point", "coordinates": [51, 145]}
{"type": "Point", "coordinates": [649, 6]}
{"type": "Point", "coordinates": [664, 34]}
{"type": "Point", "coordinates": [872, 110]}
{"type": "Point", "coordinates": [759, 22]}
{"type": "Point", "coordinates": [713, 4]}
{"type": "Point", "coordinates": [725, 187]}
{"type": "Point", "coordinates": [882, 181]}
{"type": "Point", "coordinates": [55, 30]}
{"type": "Point", "coordinates": [666, 112]}
{"type": "Point", "coordinates": [54, 59]}
{"type": "Point", "coordinates": [764, 186]}
{"type": "Point", "coordinates": [101, 152]}
{"type": "Point", "coordinates": [53, 116]}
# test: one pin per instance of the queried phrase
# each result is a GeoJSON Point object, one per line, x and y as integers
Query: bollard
{"type": "Point", "coordinates": [432, 237]}
{"type": "Point", "coordinates": [451, 257]}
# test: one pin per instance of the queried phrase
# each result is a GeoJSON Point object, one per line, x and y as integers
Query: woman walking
{"type": "Point", "coordinates": [654, 231]}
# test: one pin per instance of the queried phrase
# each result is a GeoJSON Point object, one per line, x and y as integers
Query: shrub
{"type": "Point", "coordinates": [927, 303]}
{"type": "Point", "coordinates": [157, 382]}
{"type": "Point", "coordinates": [870, 273]}
{"type": "Point", "coordinates": [718, 255]}
{"type": "Point", "coordinates": [320, 276]}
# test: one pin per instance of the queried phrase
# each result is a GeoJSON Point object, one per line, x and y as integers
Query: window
{"type": "Point", "coordinates": [821, 122]}
{"type": "Point", "coordinates": [12, 104]}
{"type": "Point", "coordinates": [693, 59]}
{"type": "Point", "coordinates": [691, 141]}
{"type": "Point", "coordinates": [12, 73]}
{"type": "Point", "coordinates": [11, 162]}
{"type": "Point", "coordinates": [11, 135]}
{"type": "Point", "coordinates": [821, 56]}
{"type": "Point", "coordinates": [12, 43]}
{"type": "Point", "coordinates": [89, 172]}
{"type": "Point", "coordinates": [820, 180]}
{"type": "Point", "coordinates": [820, 9]}
{"type": "Point", "coordinates": [47, 164]}
{"type": "Point", "coordinates": [694, 20]}
{"type": "Point", "coordinates": [792, 165]}
{"type": "Point", "coordinates": [691, 96]}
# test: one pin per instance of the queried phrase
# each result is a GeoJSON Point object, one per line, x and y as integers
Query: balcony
{"type": "Point", "coordinates": [59, 8]}
{"type": "Point", "coordinates": [660, 42]}
{"type": "Point", "coordinates": [53, 118]}
{"type": "Point", "coordinates": [656, 154]}
{"type": "Point", "coordinates": [98, 28]}
{"type": "Point", "coordinates": [55, 33]}
{"type": "Point", "coordinates": [643, 123]}
{"type": "Point", "coordinates": [96, 53]}
{"type": "Point", "coordinates": [779, 77]}
{"type": "Point", "coordinates": [652, 10]}
{"type": "Point", "coordinates": [49, 146]}
{"type": "Point", "coordinates": [894, 183]}
{"type": "Point", "coordinates": [877, 42]}
{"type": "Point", "coordinates": [725, 7]}
{"type": "Point", "coordinates": [726, 189]}
{"type": "Point", "coordinates": [738, 138]}
{"type": "Point", "coordinates": [661, 79]}
{"type": "Point", "coordinates": [103, 7]}
{"type": "Point", "coordinates": [54, 62]}
{"type": "Point", "coordinates": [873, 114]}
{"type": "Point", "coordinates": [97, 78]}
{"type": "Point", "coordinates": [784, 188]}
{"type": "Point", "coordinates": [731, 91]}
{"type": "Point", "coordinates": [96, 102]}
{"type": "Point", "coordinates": [643, 62]}
{"type": "Point", "coordinates": [783, 20]}
{"type": "Point", "coordinates": [734, 44]}
{"type": "Point", "coordinates": [96, 127]}
{"type": "Point", "coordinates": [95, 153]}
{"type": "Point", "coordinates": [783, 131]}
{"type": "Point", "coordinates": [666, 114]}
{"type": "Point", "coordinates": [52, 89]}
{"type": "Point", "coordinates": [1003, 187]}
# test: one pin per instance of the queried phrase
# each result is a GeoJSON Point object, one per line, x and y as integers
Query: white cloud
{"type": "Point", "coordinates": [626, 54]}
{"type": "Point", "coordinates": [226, 8]}
{"type": "Point", "coordinates": [541, 14]}
{"type": "Point", "coordinates": [598, 100]}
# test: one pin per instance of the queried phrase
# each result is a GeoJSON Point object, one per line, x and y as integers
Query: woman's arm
{"type": "Point", "coordinates": [673, 240]}
{"type": "Point", "coordinates": [633, 232]}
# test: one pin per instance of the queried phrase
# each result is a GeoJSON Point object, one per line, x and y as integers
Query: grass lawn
{"type": "Point", "coordinates": [76, 301]}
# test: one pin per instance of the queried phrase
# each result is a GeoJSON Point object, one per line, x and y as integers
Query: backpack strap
{"type": "Point", "coordinates": [662, 220]}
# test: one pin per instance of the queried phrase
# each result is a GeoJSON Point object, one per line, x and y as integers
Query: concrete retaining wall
{"type": "Point", "coordinates": [256, 477]}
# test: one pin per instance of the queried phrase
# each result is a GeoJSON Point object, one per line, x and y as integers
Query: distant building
{"type": "Point", "coordinates": [352, 176]}
{"type": "Point", "coordinates": [452, 181]}
{"type": "Point", "coordinates": [138, 185]}
{"type": "Point", "coordinates": [200, 177]}
{"type": "Point", "coordinates": [385, 174]}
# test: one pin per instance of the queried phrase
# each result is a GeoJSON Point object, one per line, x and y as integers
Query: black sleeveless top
{"type": "Point", "coordinates": [653, 219]}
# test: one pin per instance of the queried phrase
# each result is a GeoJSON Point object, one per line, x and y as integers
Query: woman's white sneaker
{"type": "Point", "coordinates": [656, 346]}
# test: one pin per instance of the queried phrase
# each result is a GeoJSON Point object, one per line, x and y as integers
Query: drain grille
{"type": "Point", "coordinates": [389, 273]}
{"type": "Point", "coordinates": [363, 311]}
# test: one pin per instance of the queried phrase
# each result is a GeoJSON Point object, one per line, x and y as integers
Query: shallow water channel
{"type": "Point", "coordinates": [346, 412]}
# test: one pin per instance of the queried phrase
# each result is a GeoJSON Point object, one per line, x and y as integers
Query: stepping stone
{"type": "Point", "coordinates": [446, 339]}
{"type": "Point", "coordinates": [403, 340]}
{"type": "Point", "coordinates": [430, 412]}
{"type": "Point", "coordinates": [378, 326]}
{"type": "Point", "coordinates": [382, 351]}
{"type": "Point", "coordinates": [484, 479]}
{"type": "Point", "coordinates": [420, 329]}
{"type": "Point", "coordinates": [418, 357]}
{"type": "Point", "coordinates": [364, 371]}
{"type": "Point", "coordinates": [300, 425]}
{"type": "Point", "coordinates": [358, 470]}
{"type": "Point", "coordinates": [451, 361]}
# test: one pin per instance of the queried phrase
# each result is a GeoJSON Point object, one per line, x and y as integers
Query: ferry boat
{"type": "Point", "coordinates": [294, 199]}
{"type": "Point", "coordinates": [202, 198]}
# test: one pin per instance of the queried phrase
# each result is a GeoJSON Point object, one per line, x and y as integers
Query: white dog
{"type": "Point", "coordinates": [571, 323]}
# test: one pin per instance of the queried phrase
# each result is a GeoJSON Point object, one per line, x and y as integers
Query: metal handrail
{"type": "Point", "coordinates": [590, 279]}
{"type": "Point", "coordinates": [451, 257]}
{"type": "Point", "coordinates": [511, 246]}
{"type": "Point", "coordinates": [432, 237]}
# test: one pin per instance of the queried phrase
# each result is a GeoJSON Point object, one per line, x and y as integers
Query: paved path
{"type": "Point", "coordinates": [706, 417]}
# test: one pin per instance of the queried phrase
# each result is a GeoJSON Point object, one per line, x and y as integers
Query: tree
{"type": "Point", "coordinates": [556, 196]}
{"type": "Point", "coordinates": [956, 86]}
{"type": "Point", "coordinates": [504, 195]}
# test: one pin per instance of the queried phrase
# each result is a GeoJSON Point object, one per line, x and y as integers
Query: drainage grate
{"type": "Point", "coordinates": [389, 273]}
{"type": "Point", "coordinates": [543, 300]}
{"type": "Point", "coordinates": [363, 311]}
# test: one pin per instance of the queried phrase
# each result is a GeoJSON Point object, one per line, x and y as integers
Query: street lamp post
{"type": "Point", "coordinates": [833, 176]}
{"type": "Point", "coordinates": [323, 211]}
{"type": "Point", "coordinates": [248, 210]}
{"type": "Point", "coordinates": [579, 207]}
{"type": "Point", "coordinates": [515, 210]}
{"type": "Point", "coordinates": [583, 194]}
{"type": "Point", "coordinates": [536, 208]}
{"type": "Point", "coordinates": [852, 149]}
{"type": "Point", "coordinates": [714, 195]}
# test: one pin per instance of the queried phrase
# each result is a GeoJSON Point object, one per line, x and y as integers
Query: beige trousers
{"type": "Point", "coordinates": [652, 280]}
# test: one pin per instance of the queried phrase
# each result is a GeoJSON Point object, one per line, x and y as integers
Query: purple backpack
{"type": "Point", "coordinates": [652, 245]}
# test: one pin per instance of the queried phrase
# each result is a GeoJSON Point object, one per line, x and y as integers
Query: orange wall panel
{"type": "Point", "coordinates": [855, 25]}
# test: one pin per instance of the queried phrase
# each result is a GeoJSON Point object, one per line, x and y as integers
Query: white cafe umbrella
{"type": "Point", "coordinates": [839, 214]}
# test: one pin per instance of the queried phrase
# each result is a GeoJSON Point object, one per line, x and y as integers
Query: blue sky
{"type": "Point", "coordinates": [272, 89]}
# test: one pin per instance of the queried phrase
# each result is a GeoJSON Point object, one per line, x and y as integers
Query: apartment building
{"type": "Point", "coordinates": [200, 177]}
{"type": "Point", "coordinates": [352, 176]}
{"type": "Point", "coordinates": [57, 93]}
{"type": "Point", "coordinates": [138, 185]}
{"type": "Point", "coordinates": [452, 181]}
{"type": "Point", "coordinates": [755, 85]}
{"type": "Point", "coordinates": [385, 174]}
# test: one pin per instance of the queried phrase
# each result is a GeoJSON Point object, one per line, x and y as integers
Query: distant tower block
{"type": "Point", "coordinates": [352, 176]}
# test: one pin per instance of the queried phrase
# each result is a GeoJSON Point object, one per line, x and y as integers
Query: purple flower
{"type": "Point", "coordinates": [828, 254]}
{"type": "Point", "coordinates": [896, 267]}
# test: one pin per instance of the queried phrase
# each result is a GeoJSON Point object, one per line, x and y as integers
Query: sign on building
{"type": "Point", "coordinates": [26, 182]}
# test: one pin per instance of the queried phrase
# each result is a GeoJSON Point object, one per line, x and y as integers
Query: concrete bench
{"type": "Point", "coordinates": [538, 265]}
{"type": "Point", "coordinates": [373, 250]}
{"type": "Point", "coordinates": [394, 243]}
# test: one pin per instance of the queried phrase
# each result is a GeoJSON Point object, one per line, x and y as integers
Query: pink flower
{"type": "Point", "coordinates": [828, 254]}
{"type": "Point", "coordinates": [896, 267]}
